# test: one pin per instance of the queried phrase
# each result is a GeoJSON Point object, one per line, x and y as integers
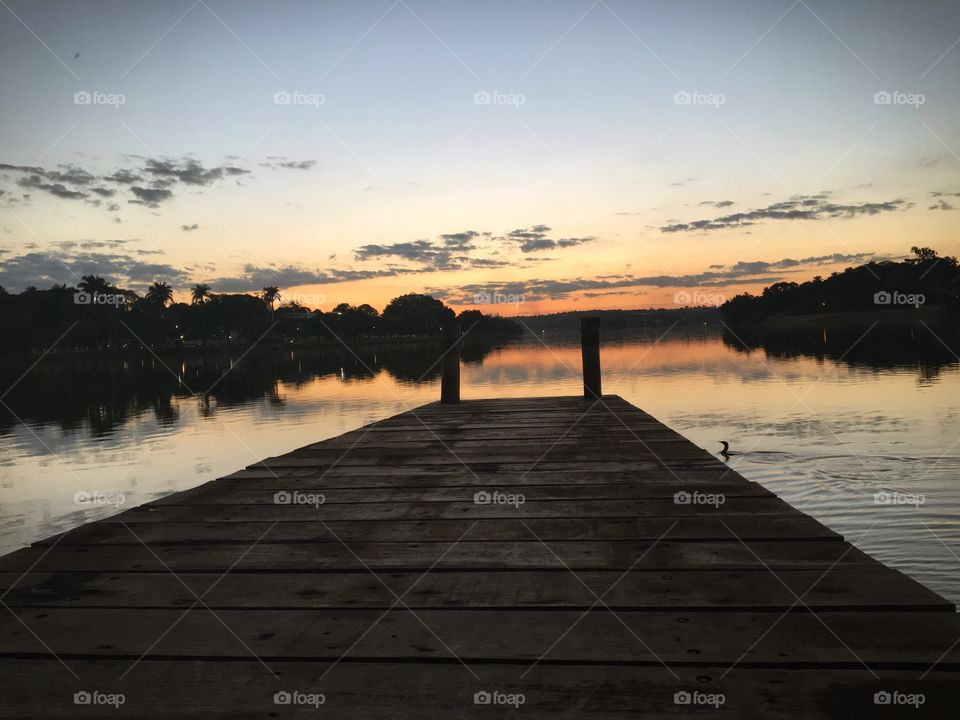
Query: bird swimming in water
{"type": "Point", "coordinates": [726, 449]}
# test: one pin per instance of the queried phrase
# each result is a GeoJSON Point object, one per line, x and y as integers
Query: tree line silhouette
{"type": "Point", "coordinates": [924, 279]}
{"type": "Point", "coordinates": [102, 316]}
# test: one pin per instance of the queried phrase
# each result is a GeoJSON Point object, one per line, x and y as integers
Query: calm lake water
{"type": "Point", "coordinates": [825, 420]}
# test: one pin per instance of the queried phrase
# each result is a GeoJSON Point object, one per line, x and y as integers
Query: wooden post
{"type": "Point", "coordinates": [450, 365]}
{"type": "Point", "coordinates": [590, 353]}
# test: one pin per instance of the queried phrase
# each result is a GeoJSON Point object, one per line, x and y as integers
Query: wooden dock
{"type": "Point", "coordinates": [549, 557]}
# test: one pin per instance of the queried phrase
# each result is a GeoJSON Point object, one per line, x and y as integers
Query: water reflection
{"type": "Point", "coordinates": [100, 395]}
{"type": "Point", "coordinates": [874, 345]}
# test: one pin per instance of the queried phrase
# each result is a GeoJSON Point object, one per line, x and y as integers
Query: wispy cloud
{"type": "Point", "coordinates": [798, 207]}
{"type": "Point", "coordinates": [278, 162]}
{"type": "Point", "coordinates": [151, 183]}
{"type": "Point", "coordinates": [754, 272]}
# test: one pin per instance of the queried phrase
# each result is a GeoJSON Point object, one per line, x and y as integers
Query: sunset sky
{"type": "Point", "coordinates": [573, 154]}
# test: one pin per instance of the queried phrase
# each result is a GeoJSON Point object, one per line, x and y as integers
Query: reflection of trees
{"type": "Point", "coordinates": [105, 393]}
{"type": "Point", "coordinates": [882, 347]}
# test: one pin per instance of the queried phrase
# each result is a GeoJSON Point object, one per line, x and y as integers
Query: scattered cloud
{"type": "Point", "coordinates": [798, 207]}
{"type": "Point", "coordinates": [417, 251]}
{"type": "Point", "coordinates": [535, 233]}
{"type": "Point", "coordinates": [190, 171]}
{"type": "Point", "coordinates": [255, 277]}
{"type": "Point", "coordinates": [56, 189]}
{"type": "Point", "coordinates": [535, 239]}
{"type": "Point", "coordinates": [461, 241]}
{"type": "Point", "coordinates": [278, 162]}
{"type": "Point", "coordinates": [151, 197]}
{"type": "Point", "coordinates": [756, 272]}
{"type": "Point", "coordinates": [718, 203]}
{"type": "Point", "coordinates": [124, 177]}
{"type": "Point", "coordinates": [70, 261]}
{"type": "Point", "coordinates": [151, 183]}
{"type": "Point", "coordinates": [943, 204]}
{"type": "Point", "coordinates": [470, 248]}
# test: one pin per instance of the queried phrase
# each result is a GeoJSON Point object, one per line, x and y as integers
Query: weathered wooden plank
{"type": "Point", "coordinates": [544, 459]}
{"type": "Point", "coordinates": [437, 691]}
{"type": "Point", "coordinates": [339, 476]}
{"type": "Point", "coordinates": [839, 639]}
{"type": "Point", "coordinates": [252, 555]}
{"type": "Point", "coordinates": [533, 435]}
{"type": "Point", "coordinates": [450, 456]}
{"type": "Point", "coordinates": [442, 464]}
{"type": "Point", "coordinates": [842, 588]}
{"type": "Point", "coordinates": [216, 494]}
{"type": "Point", "coordinates": [307, 507]}
{"type": "Point", "coordinates": [522, 447]}
{"type": "Point", "coordinates": [774, 527]}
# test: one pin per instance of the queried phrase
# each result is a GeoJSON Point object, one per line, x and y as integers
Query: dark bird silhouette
{"type": "Point", "coordinates": [726, 449]}
{"type": "Point", "coordinates": [76, 55]}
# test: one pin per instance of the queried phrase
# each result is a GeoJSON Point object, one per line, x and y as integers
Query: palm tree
{"type": "Point", "coordinates": [159, 293]}
{"type": "Point", "coordinates": [94, 285]}
{"type": "Point", "coordinates": [270, 295]}
{"type": "Point", "coordinates": [200, 293]}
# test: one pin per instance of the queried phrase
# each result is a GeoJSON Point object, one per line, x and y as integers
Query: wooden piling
{"type": "Point", "coordinates": [450, 365]}
{"type": "Point", "coordinates": [590, 353]}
